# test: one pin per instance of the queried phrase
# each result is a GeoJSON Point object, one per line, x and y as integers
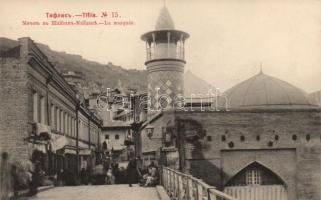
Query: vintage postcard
{"type": "Point", "coordinates": [160, 99]}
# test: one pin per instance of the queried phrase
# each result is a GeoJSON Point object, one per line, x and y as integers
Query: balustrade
{"type": "Point", "coordinates": [180, 186]}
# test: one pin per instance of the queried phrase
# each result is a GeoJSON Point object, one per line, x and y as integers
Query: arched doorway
{"type": "Point", "coordinates": [256, 182]}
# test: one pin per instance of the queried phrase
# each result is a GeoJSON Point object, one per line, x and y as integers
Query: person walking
{"type": "Point", "coordinates": [83, 176]}
{"type": "Point", "coordinates": [15, 180]}
{"type": "Point", "coordinates": [132, 172]}
{"type": "Point", "coordinates": [5, 177]}
{"type": "Point", "coordinates": [35, 179]}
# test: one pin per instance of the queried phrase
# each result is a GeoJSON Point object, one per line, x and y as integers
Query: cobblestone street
{"type": "Point", "coordinates": [103, 192]}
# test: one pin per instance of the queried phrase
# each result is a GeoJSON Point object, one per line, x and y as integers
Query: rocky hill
{"type": "Point", "coordinates": [108, 75]}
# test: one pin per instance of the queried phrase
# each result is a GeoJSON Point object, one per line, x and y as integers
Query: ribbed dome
{"type": "Point", "coordinates": [164, 21]}
{"type": "Point", "coordinates": [265, 91]}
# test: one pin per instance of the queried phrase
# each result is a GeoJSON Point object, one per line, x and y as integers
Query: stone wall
{"type": "Point", "coordinates": [283, 141]}
{"type": "Point", "coordinates": [14, 126]}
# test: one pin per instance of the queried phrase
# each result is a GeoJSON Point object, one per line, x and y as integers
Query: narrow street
{"type": "Point", "coordinates": [103, 192]}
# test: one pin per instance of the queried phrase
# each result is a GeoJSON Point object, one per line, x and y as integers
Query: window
{"type": "Point", "coordinates": [57, 119]}
{"type": "Point", "coordinates": [81, 130]}
{"type": "Point", "coordinates": [42, 110]}
{"type": "Point", "coordinates": [255, 174]}
{"type": "Point", "coordinates": [61, 121]}
{"type": "Point", "coordinates": [75, 127]}
{"type": "Point", "coordinates": [258, 137]}
{"type": "Point", "coordinates": [209, 138]}
{"type": "Point", "coordinates": [71, 126]}
{"type": "Point", "coordinates": [231, 144]}
{"type": "Point", "coordinates": [253, 177]}
{"type": "Point", "coordinates": [35, 106]}
{"type": "Point", "coordinates": [65, 123]}
{"type": "Point", "coordinates": [52, 112]}
{"type": "Point", "coordinates": [106, 137]}
{"type": "Point", "coordinates": [116, 137]}
{"type": "Point", "coordinates": [68, 125]}
{"type": "Point", "coordinates": [308, 137]}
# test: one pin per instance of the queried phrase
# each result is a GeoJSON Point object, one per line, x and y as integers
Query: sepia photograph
{"type": "Point", "coordinates": [160, 100]}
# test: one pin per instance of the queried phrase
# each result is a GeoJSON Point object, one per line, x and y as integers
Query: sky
{"type": "Point", "coordinates": [229, 40]}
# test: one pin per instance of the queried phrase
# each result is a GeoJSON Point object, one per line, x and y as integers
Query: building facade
{"type": "Point", "coordinates": [41, 116]}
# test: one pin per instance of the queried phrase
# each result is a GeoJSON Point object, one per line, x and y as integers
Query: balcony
{"type": "Point", "coordinates": [165, 51]}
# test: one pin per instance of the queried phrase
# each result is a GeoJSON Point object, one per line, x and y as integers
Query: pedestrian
{"type": "Point", "coordinates": [110, 177]}
{"type": "Point", "coordinates": [5, 177]}
{"type": "Point", "coordinates": [116, 172]}
{"type": "Point", "coordinates": [15, 180]}
{"type": "Point", "coordinates": [35, 179]}
{"type": "Point", "coordinates": [69, 177]}
{"type": "Point", "coordinates": [132, 172]}
{"type": "Point", "coordinates": [83, 176]}
{"type": "Point", "coordinates": [60, 178]}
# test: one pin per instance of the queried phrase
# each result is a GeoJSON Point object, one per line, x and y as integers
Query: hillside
{"type": "Point", "coordinates": [107, 75]}
{"type": "Point", "coordinates": [194, 85]}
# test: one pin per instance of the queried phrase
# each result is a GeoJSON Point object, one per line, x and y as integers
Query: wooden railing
{"type": "Point", "coordinates": [180, 186]}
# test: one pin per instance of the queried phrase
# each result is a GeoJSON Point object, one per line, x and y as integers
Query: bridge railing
{"type": "Point", "coordinates": [180, 186]}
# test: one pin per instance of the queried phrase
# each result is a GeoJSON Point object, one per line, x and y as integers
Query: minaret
{"type": "Point", "coordinates": [165, 60]}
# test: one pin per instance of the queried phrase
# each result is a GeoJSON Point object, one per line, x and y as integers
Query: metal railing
{"type": "Point", "coordinates": [180, 186]}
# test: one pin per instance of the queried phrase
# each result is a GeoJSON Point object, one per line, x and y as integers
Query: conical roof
{"type": "Point", "coordinates": [164, 21]}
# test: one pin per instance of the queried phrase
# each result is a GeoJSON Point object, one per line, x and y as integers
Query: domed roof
{"type": "Point", "coordinates": [164, 21]}
{"type": "Point", "coordinates": [265, 91]}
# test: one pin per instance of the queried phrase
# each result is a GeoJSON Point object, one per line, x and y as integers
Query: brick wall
{"type": "Point", "coordinates": [15, 113]}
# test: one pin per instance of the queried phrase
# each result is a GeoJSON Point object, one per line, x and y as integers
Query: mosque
{"type": "Point", "coordinates": [267, 145]}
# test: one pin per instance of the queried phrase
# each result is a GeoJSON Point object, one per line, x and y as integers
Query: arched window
{"type": "Point", "coordinates": [116, 137]}
{"type": "Point", "coordinates": [255, 174]}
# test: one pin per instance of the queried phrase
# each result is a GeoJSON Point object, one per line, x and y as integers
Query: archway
{"type": "Point", "coordinates": [256, 182]}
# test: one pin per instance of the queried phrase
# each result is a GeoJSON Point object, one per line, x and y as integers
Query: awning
{"type": "Point", "coordinates": [85, 152]}
{"type": "Point", "coordinates": [70, 151]}
{"type": "Point", "coordinates": [42, 130]}
{"type": "Point", "coordinates": [57, 142]}
{"type": "Point", "coordinates": [83, 145]}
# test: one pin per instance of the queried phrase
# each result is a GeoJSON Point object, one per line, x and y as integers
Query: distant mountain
{"type": "Point", "coordinates": [196, 86]}
{"type": "Point", "coordinates": [108, 75]}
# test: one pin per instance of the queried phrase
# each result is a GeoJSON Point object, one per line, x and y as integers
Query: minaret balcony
{"type": "Point", "coordinates": [165, 51]}
{"type": "Point", "coordinates": [165, 44]}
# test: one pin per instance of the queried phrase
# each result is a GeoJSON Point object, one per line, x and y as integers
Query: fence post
{"type": "Point", "coordinates": [199, 191]}
{"type": "Point", "coordinates": [180, 186]}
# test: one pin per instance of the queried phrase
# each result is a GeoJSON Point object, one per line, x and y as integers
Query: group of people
{"type": "Point", "coordinates": [11, 179]}
{"type": "Point", "coordinates": [146, 177]}
{"type": "Point", "coordinates": [110, 173]}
